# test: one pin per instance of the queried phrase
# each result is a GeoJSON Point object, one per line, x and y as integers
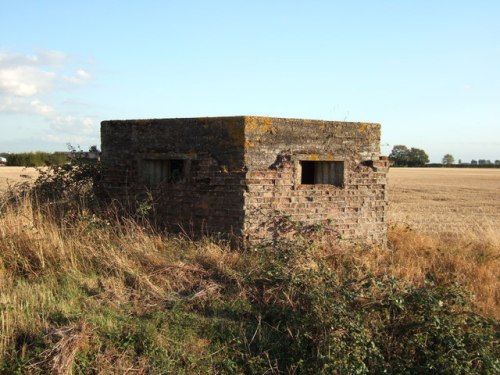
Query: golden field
{"type": "Point", "coordinates": [445, 200]}
{"type": "Point", "coordinates": [10, 176]}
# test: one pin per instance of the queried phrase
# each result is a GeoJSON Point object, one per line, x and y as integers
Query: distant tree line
{"type": "Point", "coordinates": [484, 162]}
{"type": "Point", "coordinates": [35, 159]}
{"type": "Point", "coordinates": [402, 156]}
{"type": "Point", "coordinates": [449, 161]}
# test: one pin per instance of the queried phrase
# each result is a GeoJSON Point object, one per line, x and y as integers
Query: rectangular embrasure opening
{"type": "Point", "coordinates": [155, 172]}
{"type": "Point", "coordinates": [322, 173]}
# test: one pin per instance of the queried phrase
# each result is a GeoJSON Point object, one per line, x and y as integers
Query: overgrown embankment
{"type": "Point", "coordinates": [86, 293]}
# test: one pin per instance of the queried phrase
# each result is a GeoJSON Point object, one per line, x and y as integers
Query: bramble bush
{"type": "Point", "coordinates": [62, 190]}
{"type": "Point", "coordinates": [308, 321]}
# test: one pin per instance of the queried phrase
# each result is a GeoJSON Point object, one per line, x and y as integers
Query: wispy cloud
{"type": "Point", "coordinates": [25, 81]}
{"type": "Point", "coordinates": [42, 108]}
{"type": "Point", "coordinates": [80, 77]}
{"type": "Point", "coordinates": [28, 83]}
{"type": "Point", "coordinates": [55, 59]}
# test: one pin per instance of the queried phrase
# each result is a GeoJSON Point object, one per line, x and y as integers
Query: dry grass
{"type": "Point", "coordinates": [10, 176]}
{"type": "Point", "coordinates": [45, 266]}
{"type": "Point", "coordinates": [473, 260]}
{"type": "Point", "coordinates": [128, 269]}
{"type": "Point", "coordinates": [414, 257]}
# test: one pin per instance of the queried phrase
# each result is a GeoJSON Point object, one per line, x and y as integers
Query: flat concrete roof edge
{"type": "Point", "coordinates": [244, 118]}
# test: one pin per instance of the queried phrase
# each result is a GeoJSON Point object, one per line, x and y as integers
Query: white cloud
{"type": "Point", "coordinates": [70, 124]}
{"type": "Point", "coordinates": [30, 75]}
{"type": "Point", "coordinates": [81, 76]}
{"type": "Point", "coordinates": [34, 75]}
{"type": "Point", "coordinates": [29, 83]}
{"type": "Point", "coordinates": [25, 81]}
{"type": "Point", "coordinates": [41, 108]}
{"type": "Point", "coordinates": [89, 122]}
{"type": "Point", "coordinates": [10, 105]}
{"type": "Point", "coordinates": [46, 58]}
{"type": "Point", "coordinates": [13, 105]}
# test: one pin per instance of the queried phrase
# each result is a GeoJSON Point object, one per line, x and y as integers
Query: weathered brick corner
{"type": "Point", "coordinates": [238, 175]}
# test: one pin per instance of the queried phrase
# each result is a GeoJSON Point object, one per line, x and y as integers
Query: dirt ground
{"type": "Point", "coordinates": [445, 199]}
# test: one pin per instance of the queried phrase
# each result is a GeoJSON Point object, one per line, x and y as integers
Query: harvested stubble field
{"type": "Point", "coordinates": [445, 200]}
{"type": "Point", "coordinates": [10, 176]}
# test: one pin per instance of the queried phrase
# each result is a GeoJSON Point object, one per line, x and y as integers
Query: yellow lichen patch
{"type": "Point", "coordinates": [259, 125]}
{"type": "Point", "coordinates": [313, 157]}
{"type": "Point", "coordinates": [249, 144]}
{"type": "Point", "coordinates": [316, 157]}
{"type": "Point", "coordinates": [363, 127]}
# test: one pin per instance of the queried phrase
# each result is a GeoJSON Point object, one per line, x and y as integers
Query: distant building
{"type": "Point", "coordinates": [242, 176]}
{"type": "Point", "coordinates": [3, 160]}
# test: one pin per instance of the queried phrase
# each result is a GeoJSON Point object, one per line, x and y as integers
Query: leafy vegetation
{"type": "Point", "coordinates": [85, 293]}
{"type": "Point", "coordinates": [41, 159]}
{"type": "Point", "coordinates": [448, 159]}
{"type": "Point", "coordinates": [36, 159]}
{"type": "Point", "coordinates": [401, 156]}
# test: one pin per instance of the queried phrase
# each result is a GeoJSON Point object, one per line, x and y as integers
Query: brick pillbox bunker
{"type": "Point", "coordinates": [240, 176]}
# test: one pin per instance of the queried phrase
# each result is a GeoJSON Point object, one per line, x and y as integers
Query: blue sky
{"type": "Point", "coordinates": [428, 71]}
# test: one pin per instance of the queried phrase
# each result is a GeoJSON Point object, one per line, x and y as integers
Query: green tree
{"type": "Point", "coordinates": [399, 155]}
{"type": "Point", "coordinates": [417, 157]}
{"type": "Point", "coordinates": [448, 159]}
